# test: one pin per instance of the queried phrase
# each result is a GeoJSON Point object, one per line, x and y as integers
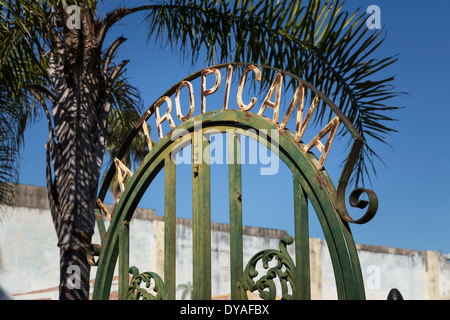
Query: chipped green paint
{"type": "Point", "coordinates": [311, 183]}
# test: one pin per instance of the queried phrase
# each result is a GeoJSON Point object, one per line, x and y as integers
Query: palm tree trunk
{"type": "Point", "coordinates": [76, 163]}
{"type": "Point", "coordinates": [81, 82]}
{"type": "Point", "coordinates": [74, 268]}
{"type": "Point", "coordinates": [77, 130]}
{"type": "Point", "coordinates": [72, 193]}
{"type": "Point", "coordinates": [75, 154]}
{"type": "Point", "coordinates": [74, 237]}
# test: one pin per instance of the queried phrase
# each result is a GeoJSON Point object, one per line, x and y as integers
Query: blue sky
{"type": "Point", "coordinates": [412, 187]}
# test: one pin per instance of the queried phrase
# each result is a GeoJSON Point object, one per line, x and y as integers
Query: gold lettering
{"type": "Point", "coordinates": [297, 98]}
{"type": "Point", "coordinates": [276, 88]}
{"type": "Point", "coordinates": [147, 136]}
{"type": "Point", "coordinates": [241, 87]}
{"type": "Point", "coordinates": [206, 92]}
{"type": "Point", "coordinates": [166, 116]}
{"type": "Point", "coordinates": [300, 125]}
{"type": "Point", "coordinates": [331, 127]}
{"type": "Point", "coordinates": [104, 210]}
{"type": "Point", "coordinates": [191, 100]}
{"type": "Point", "coordinates": [228, 87]}
{"type": "Point", "coordinates": [276, 85]}
{"type": "Point", "coordinates": [122, 172]}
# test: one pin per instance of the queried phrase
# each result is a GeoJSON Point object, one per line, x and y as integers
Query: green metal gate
{"type": "Point", "coordinates": [310, 182]}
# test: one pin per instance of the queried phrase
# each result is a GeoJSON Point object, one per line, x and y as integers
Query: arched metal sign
{"type": "Point", "coordinates": [257, 118]}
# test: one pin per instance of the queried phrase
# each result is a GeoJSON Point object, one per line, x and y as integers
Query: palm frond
{"type": "Point", "coordinates": [125, 112]}
{"type": "Point", "coordinates": [127, 107]}
{"type": "Point", "coordinates": [19, 67]}
{"type": "Point", "coordinates": [317, 40]}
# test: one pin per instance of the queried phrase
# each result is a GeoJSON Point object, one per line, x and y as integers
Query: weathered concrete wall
{"type": "Point", "coordinates": [29, 258]}
{"type": "Point", "coordinates": [147, 249]}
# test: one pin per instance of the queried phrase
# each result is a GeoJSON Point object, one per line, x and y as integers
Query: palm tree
{"type": "Point", "coordinates": [9, 147]}
{"type": "Point", "coordinates": [58, 59]}
{"type": "Point", "coordinates": [12, 119]}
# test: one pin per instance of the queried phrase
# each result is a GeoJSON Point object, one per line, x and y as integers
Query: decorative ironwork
{"type": "Point", "coordinates": [394, 294]}
{"type": "Point", "coordinates": [93, 251]}
{"type": "Point", "coordinates": [136, 292]}
{"type": "Point", "coordinates": [312, 184]}
{"type": "Point", "coordinates": [284, 271]}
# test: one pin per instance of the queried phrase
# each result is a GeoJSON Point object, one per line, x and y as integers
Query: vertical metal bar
{"type": "Point", "coordinates": [302, 259]}
{"type": "Point", "coordinates": [169, 229]}
{"type": "Point", "coordinates": [124, 246]}
{"type": "Point", "coordinates": [201, 216]}
{"type": "Point", "coordinates": [235, 195]}
{"type": "Point", "coordinates": [100, 225]}
{"type": "Point", "coordinates": [195, 218]}
{"type": "Point", "coordinates": [206, 202]}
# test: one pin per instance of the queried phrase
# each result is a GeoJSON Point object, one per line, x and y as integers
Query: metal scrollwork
{"type": "Point", "coordinates": [284, 270]}
{"type": "Point", "coordinates": [355, 202]}
{"type": "Point", "coordinates": [136, 292]}
{"type": "Point", "coordinates": [93, 251]}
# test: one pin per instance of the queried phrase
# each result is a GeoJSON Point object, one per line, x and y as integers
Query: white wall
{"type": "Point", "coordinates": [29, 258]}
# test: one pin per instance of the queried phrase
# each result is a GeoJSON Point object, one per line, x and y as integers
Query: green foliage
{"type": "Point", "coordinates": [17, 71]}
{"type": "Point", "coordinates": [126, 111]}
{"type": "Point", "coordinates": [25, 63]}
{"type": "Point", "coordinates": [316, 40]}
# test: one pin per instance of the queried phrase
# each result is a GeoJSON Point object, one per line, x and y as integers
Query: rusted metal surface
{"type": "Point", "coordinates": [169, 229]}
{"type": "Point", "coordinates": [394, 294]}
{"type": "Point", "coordinates": [284, 270]}
{"type": "Point", "coordinates": [235, 203]}
{"type": "Point", "coordinates": [103, 209]}
{"type": "Point", "coordinates": [122, 173]}
{"type": "Point", "coordinates": [311, 184]}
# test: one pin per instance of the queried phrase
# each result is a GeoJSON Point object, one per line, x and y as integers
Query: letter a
{"type": "Point", "coordinates": [330, 128]}
{"type": "Point", "coordinates": [276, 86]}
{"type": "Point", "coordinates": [74, 21]}
{"type": "Point", "coordinates": [374, 21]}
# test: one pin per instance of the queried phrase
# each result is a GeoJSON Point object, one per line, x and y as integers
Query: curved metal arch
{"type": "Point", "coordinates": [358, 141]}
{"type": "Point", "coordinates": [316, 184]}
